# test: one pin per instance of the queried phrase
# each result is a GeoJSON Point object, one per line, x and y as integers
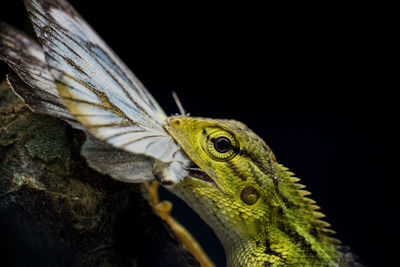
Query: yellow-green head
{"type": "Point", "coordinates": [253, 204]}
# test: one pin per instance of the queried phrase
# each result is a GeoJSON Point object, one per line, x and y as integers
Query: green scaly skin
{"type": "Point", "coordinates": [252, 202]}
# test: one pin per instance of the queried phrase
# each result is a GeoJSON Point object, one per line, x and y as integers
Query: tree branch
{"type": "Point", "coordinates": [55, 210]}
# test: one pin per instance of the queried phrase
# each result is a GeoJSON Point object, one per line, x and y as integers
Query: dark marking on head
{"type": "Point", "coordinates": [258, 162]}
{"type": "Point", "coordinates": [266, 147]}
{"type": "Point", "coordinates": [298, 239]}
{"type": "Point", "coordinates": [280, 211]}
{"type": "Point", "coordinates": [254, 174]}
{"type": "Point", "coordinates": [284, 199]}
{"type": "Point", "coordinates": [236, 171]}
{"type": "Point", "coordinates": [269, 251]}
{"type": "Point", "coordinates": [204, 132]}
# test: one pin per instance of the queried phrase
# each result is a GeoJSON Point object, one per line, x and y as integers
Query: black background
{"type": "Point", "coordinates": [312, 81]}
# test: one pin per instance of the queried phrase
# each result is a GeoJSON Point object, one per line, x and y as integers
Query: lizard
{"type": "Point", "coordinates": [222, 169]}
{"type": "Point", "coordinates": [255, 205]}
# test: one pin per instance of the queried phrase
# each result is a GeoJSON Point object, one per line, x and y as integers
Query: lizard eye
{"type": "Point", "coordinates": [222, 144]}
{"type": "Point", "coordinates": [219, 144]}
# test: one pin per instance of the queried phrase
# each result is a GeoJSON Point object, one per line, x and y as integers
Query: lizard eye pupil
{"type": "Point", "coordinates": [219, 144]}
{"type": "Point", "coordinates": [222, 144]}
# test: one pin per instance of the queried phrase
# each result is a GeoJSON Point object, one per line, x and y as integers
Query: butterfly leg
{"type": "Point", "coordinates": [163, 209]}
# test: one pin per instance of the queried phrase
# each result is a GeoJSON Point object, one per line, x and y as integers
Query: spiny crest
{"type": "Point", "coordinates": [309, 207]}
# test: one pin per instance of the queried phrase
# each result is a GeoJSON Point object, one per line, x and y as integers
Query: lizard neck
{"type": "Point", "coordinates": [286, 232]}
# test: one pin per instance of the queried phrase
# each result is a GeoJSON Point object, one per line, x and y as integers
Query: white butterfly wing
{"type": "Point", "coordinates": [119, 164]}
{"type": "Point", "coordinates": [96, 86]}
{"type": "Point", "coordinates": [34, 83]}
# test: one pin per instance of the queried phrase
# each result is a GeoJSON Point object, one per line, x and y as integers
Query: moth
{"type": "Point", "coordinates": [73, 75]}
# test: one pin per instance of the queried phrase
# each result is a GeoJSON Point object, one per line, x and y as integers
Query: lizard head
{"type": "Point", "coordinates": [232, 171]}
{"type": "Point", "coordinates": [236, 185]}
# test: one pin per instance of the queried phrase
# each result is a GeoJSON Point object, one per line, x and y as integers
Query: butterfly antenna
{"type": "Point", "coordinates": [178, 103]}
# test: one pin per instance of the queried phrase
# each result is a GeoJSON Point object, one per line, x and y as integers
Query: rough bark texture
{"type": "Point", "coordinates": [56, 211]}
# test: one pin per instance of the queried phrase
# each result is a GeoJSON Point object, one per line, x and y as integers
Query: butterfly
{"type": "Point", "coordinates": [73, 75]}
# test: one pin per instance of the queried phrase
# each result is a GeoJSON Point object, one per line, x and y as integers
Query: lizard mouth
{"type": "Point", "coordinates": [195, 172]}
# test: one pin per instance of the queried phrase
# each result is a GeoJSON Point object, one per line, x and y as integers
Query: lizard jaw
{"type": "Point", "coordinates": [195, 172]}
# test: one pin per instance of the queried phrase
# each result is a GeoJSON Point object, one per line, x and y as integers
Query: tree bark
{"type": "Point", "coordinates": [56, 211]}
